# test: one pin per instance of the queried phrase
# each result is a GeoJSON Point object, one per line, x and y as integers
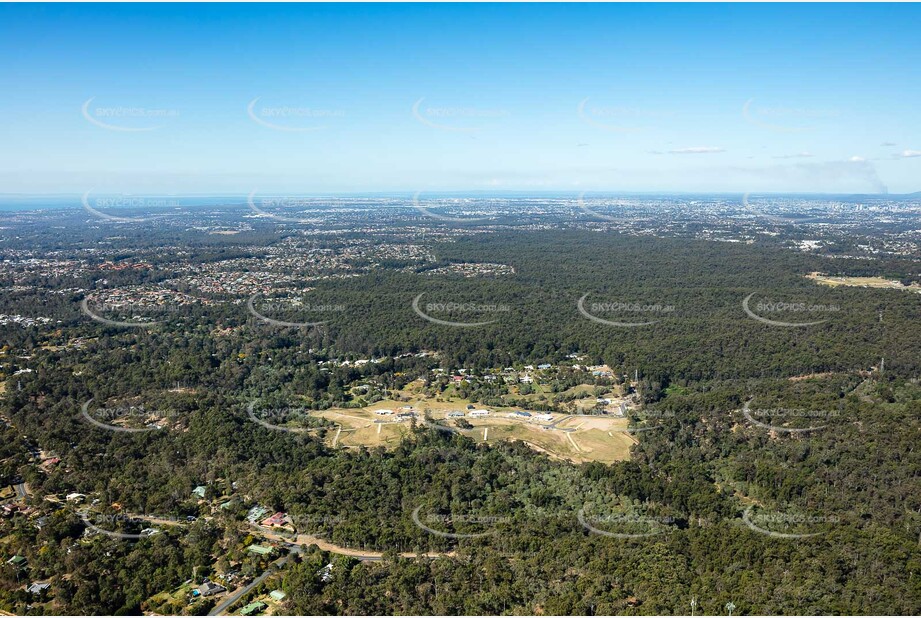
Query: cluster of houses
{"type": "Point", "coordinates": [141, 296]}
{"type": "Point", "coordinates": [259, 515]}
{"type": "Point", "coordinates": [509, 374]}
{"type": "Point", "coordinates": [8, 509]}
{"type": "Point", "coordinates": [210, 589]}
{"type": "Point", "coordinates": [24, 321]}
{"type": "Point", "coordinates": [528, 374]}
{"type": "Point", "coordinates": [20, 563]}
{"type": "Point", "coordinates": [403, 414]}
{"type": "Point", "coordinates": [406, 412]}
{"type": "Point", "coordinates": [520, 414]}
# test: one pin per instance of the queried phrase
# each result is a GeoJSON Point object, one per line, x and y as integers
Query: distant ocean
{"type": "Point", "coordinates": [38, 203]}
{"type": "Point", "coordinates": [14, 203]}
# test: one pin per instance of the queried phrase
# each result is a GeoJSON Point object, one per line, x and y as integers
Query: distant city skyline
{"type": "Point", "coordinates": [326, 99]}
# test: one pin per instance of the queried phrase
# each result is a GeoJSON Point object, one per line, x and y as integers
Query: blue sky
{"type": "Point", "coordinates": [163, 99]}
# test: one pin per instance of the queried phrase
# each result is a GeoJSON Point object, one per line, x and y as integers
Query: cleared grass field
{"type": "Point", "coordinates": [862, 282]}
{"type": "Point", "coordinates": [577, 438]}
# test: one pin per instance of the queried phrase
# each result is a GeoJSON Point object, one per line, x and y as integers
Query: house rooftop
{"type": "Point", "coordinates": [253, 608]}
{"type": "Point", "coordinates": [262, 550]}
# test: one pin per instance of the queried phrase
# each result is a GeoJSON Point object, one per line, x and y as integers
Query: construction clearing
{"type": "Point", "coordinates": [577, 438]}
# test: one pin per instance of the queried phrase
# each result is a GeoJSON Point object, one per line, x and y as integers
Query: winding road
{"type": "Point", "coordinates": [296, 546]}
{"type": "Point", "coordinates": [365, 555]}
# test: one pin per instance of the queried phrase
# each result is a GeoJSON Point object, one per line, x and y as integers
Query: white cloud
{"type": "Point", "coordinates": [908, 154]}
{"type": "Point", "coordinates": [697, 150]}
{"type": "Point", "coordinates": [856, 159]}
{"type": "Point", "coordinates": [801, 155]}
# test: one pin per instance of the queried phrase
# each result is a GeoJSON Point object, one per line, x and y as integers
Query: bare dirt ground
{"type": "Point", "coordinates": [578, 438]}
{"type": "Point", "coordinates": [863, 282]}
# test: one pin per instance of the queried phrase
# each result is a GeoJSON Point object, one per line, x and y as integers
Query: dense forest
{"type": "Point", "coordinates": [849, 491]}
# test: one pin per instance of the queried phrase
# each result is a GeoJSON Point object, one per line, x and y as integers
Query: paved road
{"type": "Point", "coordinates": [554, 424]}
{"type": "Point", "coordinates": [365, 555]}
{"type": "Point", "coordinates": [22, 490]}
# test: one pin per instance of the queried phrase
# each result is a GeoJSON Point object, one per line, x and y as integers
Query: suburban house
{"type": "Point", "coordinates": [256, 513]}
{"type": "Point", "coordinates": [278, 520]}
{"type": "Point", "coordinates": [253, 608]}
{"type": "Point", "coordinates": [9, 509]}
{"type": "Point", "coordinates": [260, 550]}
{"type": "Point", "coordinates": [210, 588]}
{"type": "Point", "coordinates": [326, 573]}
{"type": "Point", "coordinates": [455, 414]}
{"type": "Point", "coordinates": [479, 413]}
{"type": "Point", "coordinates": [38, 588]}
{"type": "Point", "coordinates": [18, 562]}
{"type": "Point", "coordinates": [383, 412]}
